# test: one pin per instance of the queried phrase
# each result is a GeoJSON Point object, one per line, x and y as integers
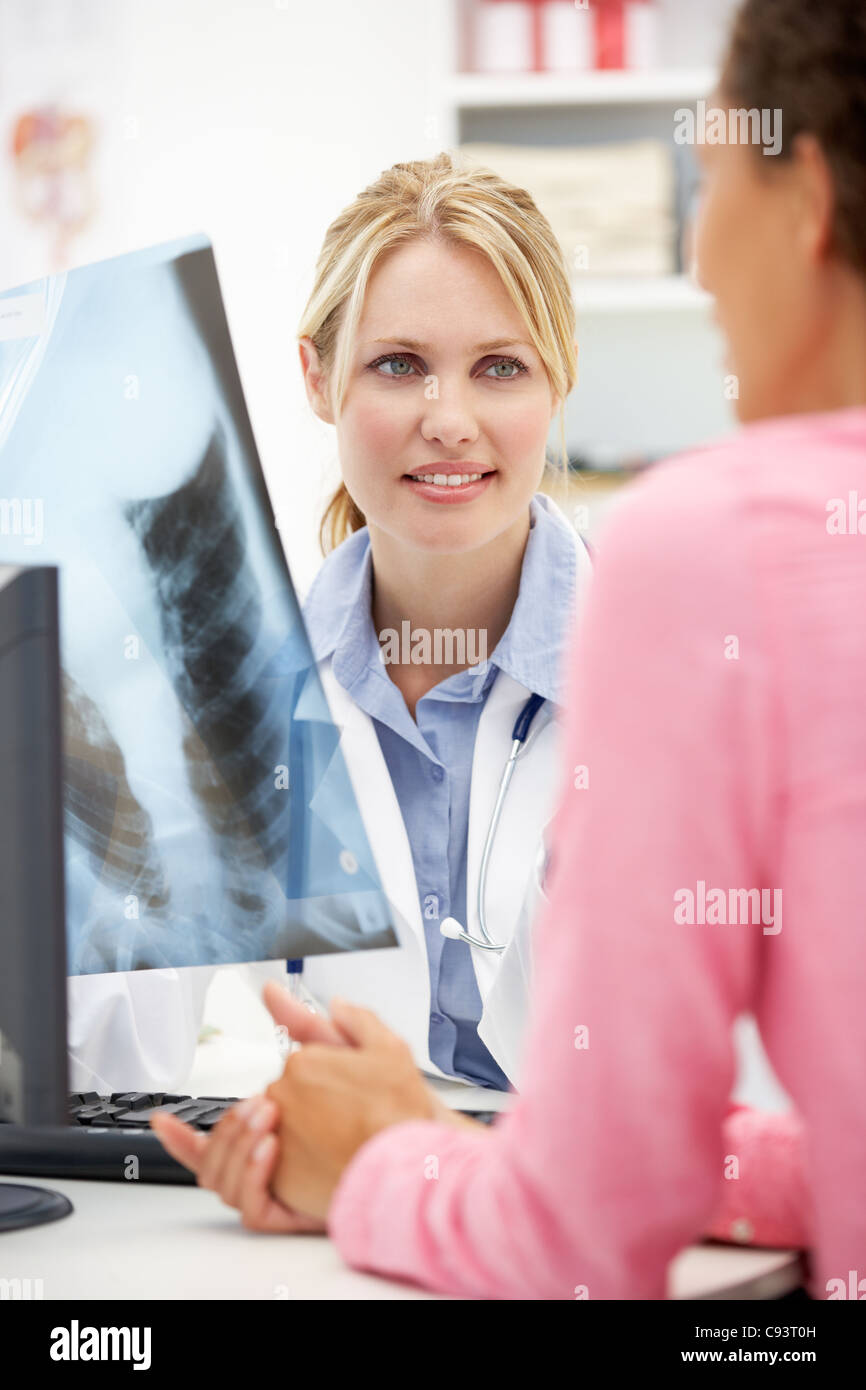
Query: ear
{"type": "Point", "coordinates": [315, 380]}
{"type": "Point", "coordinates": [815, 194]}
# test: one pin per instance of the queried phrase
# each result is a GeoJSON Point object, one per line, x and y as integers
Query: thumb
{"type": "Point", "coordinates": [296, 1018]}
{"type": "Point", "coordinates": [360, 1027]}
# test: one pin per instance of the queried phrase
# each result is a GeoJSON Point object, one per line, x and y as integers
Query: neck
{"type": "Point", "coordinates": [830, 373]}
{"type": "Point", "coordinates": [471, 593]}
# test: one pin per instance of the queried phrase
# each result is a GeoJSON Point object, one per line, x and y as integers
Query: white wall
{"type": "Point", "coordinates": [258, 123]}
{"type": "Point", "coordinates": [254, 122]}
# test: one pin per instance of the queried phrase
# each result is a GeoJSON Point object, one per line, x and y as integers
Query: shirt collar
{"type": "Point", "coordinates": [337, 607]}
{"type": "Point", "coordinates": [339, 623]}
{"type": "Point", "coordinates": [531, 648]}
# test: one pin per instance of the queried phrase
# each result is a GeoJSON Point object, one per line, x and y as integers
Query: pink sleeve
{"type": "Point", "coordinates": [766, 1200]}
{"type": "Point", "coordinates": [613, 1156]}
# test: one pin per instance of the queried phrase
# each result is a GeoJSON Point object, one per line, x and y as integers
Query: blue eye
{"type": "Point", "coordinates": [514, 362]}
{"type": "Point", "coordinates": [400, 365]}
{"type": "Point", "coordinates": [392, 359]}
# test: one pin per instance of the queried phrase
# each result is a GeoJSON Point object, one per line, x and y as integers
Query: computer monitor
{"type": "Point", "coordinates": [32, 925]}
{"type": "Point", "coordinates": [33, 1069]}
{"type": "Point", "coordinates": [209, 815]}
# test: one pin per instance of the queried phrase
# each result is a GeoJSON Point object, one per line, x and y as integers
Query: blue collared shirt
{"type": "Point", "coordinates": [429, 758]}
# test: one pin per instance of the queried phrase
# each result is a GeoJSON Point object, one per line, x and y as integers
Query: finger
{"type": "Point", "coordinates": [257, 1121]}
{"type": "Point", "coordinates": [301, 1024]}
{"type": "Point", "coordinates": [360, 1027]}
{"type": "Point", "coordinates": [184, 1143]}
{"type": "Point", "coordinates": [260, 1210]}
{"type": "Point", "coordinates": [222, 1137]}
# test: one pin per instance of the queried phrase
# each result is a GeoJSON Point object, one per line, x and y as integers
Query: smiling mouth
{"type": "Point", "coordinates": [446, 479]}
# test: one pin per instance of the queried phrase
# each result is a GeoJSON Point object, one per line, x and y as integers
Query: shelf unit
{"type": "Point", "coordinates": [639, 294]}
{"type": "Point", "coordinates": [560, 107]}
{"type": "Point", "coordinates": [468, 91]}
{"type": "Point", "coordinates": [652, 373]}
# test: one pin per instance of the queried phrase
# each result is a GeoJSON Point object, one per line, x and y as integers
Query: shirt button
{"type": "Point", "coordinates": [437, 772]}
{"type": "Point", "coordinates": [436, 1018]}
{"type": "Point", "coordinates": [742, 1230]}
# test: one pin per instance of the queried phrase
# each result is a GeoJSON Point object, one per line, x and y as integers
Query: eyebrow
{"type": "Point", "coordinates": [479, 347]}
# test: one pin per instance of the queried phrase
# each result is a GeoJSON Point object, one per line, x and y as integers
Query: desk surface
{"type": "Point", "coordinates": [142, 1241]}
{"type": "Point", "coordinates": [148, 1241]}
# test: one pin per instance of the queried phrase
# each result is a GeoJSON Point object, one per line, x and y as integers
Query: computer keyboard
{"type": "Point", "coordinates": [109, 1137]}
{"type": "Point", "coordinates": [133, 1109]}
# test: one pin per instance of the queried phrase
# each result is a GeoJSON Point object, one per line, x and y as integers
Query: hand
{"type": "Point", "coordinates": [331, 1100]}
{"type": "Point", "coordinates": [237, 1159]}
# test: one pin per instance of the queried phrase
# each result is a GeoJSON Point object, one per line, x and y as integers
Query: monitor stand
{"type": "Point", "coordinates": [22, 1205]}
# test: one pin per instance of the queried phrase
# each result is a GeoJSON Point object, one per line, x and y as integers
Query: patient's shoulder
{"type": "Point", "coordinates": [752, 498]}
{"type": "Point", "coordinates": [681, 517]}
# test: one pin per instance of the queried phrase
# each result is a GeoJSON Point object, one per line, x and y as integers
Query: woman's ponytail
{"type": "Point", "coordinates": [340, 520]}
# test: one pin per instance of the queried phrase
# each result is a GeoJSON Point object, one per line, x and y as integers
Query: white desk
{"type": "Point", "coordinates": [144, 1241]}
{"type": "Point", "coordinates": [138, 1241]}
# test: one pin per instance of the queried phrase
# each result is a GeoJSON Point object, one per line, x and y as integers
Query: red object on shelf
{"type": "Point", "coordinates": [610, 32]}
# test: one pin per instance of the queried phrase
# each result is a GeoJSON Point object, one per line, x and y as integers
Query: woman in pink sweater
{"type": "Point", "coordinates": [711, 858]}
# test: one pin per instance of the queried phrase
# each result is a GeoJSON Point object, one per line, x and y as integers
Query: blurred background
{"type": "Point", "coordinates": [125, 123]}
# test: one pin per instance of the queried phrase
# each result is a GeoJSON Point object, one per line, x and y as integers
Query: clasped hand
{"type": "Point", "coordinates": [278, 1157]}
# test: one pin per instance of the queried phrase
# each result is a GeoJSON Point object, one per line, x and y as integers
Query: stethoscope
{"type": "Point", "coordinates": [451, 927]}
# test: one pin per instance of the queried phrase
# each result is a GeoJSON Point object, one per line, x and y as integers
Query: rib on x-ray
{"type": "Point", "coordinates": [101, 810]}
{"type": "Point", "coordinates": [209, 812]}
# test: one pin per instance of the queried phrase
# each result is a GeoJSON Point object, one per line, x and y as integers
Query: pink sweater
{"type": "Point", "coordinates": [718, 704]}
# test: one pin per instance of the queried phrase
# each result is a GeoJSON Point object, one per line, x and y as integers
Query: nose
{"type": "Point", "coordinates": [448, 418]}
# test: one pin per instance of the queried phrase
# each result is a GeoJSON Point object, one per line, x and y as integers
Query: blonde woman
{"type": "Point", "coordinates": [439, 343]}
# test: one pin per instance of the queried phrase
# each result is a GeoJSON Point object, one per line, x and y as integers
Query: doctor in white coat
{"type": "Point", "coordinates": [408, 841]}
{"type": "Point", "coordinates": [439, 342]}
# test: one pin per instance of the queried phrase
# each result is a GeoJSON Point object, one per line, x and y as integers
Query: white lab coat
{"type": "Point", "coordinates": [396, 983]}
{"type": "Point", "coordinates": [134, 1030]}
{"type": "Point", "coordinates": [131, 1032]}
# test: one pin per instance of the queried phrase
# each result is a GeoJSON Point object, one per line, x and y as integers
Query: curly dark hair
{"type": "Point", "coordinates": [807, 58]}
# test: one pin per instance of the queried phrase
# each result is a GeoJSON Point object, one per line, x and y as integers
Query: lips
{"type": "Point", "coordinates": [441, 474]}
{"type": "Point", "coordinates": [445, 479]}
{"type": "Point", "coordinates": [450, 483]}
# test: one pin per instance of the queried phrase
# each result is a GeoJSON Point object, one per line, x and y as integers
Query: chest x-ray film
{"type": "Point", "coordinates": [209, 814]}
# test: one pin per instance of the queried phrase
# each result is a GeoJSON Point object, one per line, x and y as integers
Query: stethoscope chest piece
{"type": "Point", "coordinates": [450, 927]}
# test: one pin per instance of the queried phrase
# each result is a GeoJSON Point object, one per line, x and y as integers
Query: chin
{"type": "Point", "coordinates": [447, 538]}
{"type": "Point", "coordinates": [452, 544]}
{"type": "Point", "coordinates": [750, 408]}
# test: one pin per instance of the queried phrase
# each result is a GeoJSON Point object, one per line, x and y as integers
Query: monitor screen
{"type": "Point", "coordinates": [209, 814]}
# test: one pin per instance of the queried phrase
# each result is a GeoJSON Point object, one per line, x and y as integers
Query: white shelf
{"type": "Point", "coordinates": [638, 294]}
{"type": "Point", "coordinates": [469, 91]}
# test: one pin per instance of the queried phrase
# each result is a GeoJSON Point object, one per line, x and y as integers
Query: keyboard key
{"type": "Point", "coordinates": [189, 1112]}
{"type": "Point", "coordinates": [208, 1119]}
{"type": "Point", "coordinates": [134, 1100]}
{"type": "Point", "coordinates": [96, 1114]}
{"type": "Point", "coordinates": [85, 1098]}
{"type": "Point", "coordinates": [183, 1110]}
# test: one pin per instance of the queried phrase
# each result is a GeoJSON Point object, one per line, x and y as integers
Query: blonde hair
{"type": "Point", "coordinates": [436, 198]}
